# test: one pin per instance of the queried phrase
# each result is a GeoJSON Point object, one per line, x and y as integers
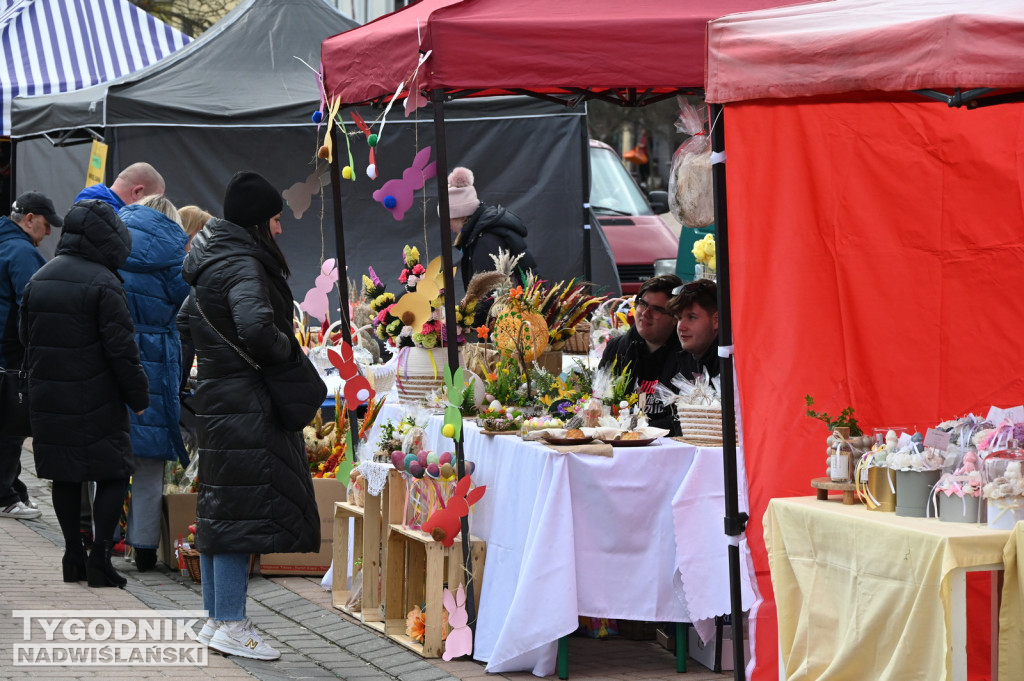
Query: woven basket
{"type": "Point", "coordinates": [191, 557]}
{"type": "Point", "coordinates": [579, 342]}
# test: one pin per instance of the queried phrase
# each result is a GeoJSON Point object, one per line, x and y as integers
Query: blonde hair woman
{"type": "Point", "coordinates": [193, 218]}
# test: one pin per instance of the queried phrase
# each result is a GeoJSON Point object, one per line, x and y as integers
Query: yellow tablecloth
{"type": "Point", "coordinates": [1011, 611]}
{"type": "Point", "coordinates": [860, 593]}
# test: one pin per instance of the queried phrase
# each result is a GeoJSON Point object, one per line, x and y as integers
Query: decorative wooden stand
{"type": "Point", "coordinates": [825, 485]}
{"type": "Point", "coordinates": [371, 529]}
{"type": "Point", "coordinates": [418, 570]}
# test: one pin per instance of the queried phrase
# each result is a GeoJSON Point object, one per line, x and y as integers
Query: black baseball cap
{"type": "Point", "coordinates": [34, 202]}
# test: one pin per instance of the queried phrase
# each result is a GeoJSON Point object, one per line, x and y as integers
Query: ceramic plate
{"type": "Point", "coordinates": [567, 440]}
{"type": "Point", "coordinates": [630, 443]}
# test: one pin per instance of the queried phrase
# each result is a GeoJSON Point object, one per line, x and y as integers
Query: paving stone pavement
{"type": "Point", "coordinates": [295, 614]}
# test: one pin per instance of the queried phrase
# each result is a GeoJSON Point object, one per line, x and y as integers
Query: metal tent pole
{"type": "Point", "coordinates": [339, 246]}
{"type": "Point", "coordinates": [452, 331]}
{"type": "Point", "coordinates": [735, 521]}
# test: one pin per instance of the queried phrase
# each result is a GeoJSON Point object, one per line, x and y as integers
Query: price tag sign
{"type": "Point", "coordinates": [937, 439]}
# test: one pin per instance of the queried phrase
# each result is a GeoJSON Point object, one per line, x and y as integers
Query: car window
{"type": "Point", "coordinates": [612, 190]}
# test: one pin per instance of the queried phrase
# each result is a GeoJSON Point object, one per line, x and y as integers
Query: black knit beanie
{"type": "Point", "coordinates": [250, 200]}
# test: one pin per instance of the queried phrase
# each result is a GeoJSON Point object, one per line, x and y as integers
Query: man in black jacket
{"type": "Point", "coordinates": [649, 350]}
{"type": "Point", "coordinates": [695, 306]}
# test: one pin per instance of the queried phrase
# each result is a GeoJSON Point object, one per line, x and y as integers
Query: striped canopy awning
{"type": "Point", "coordinates": [52, 46]}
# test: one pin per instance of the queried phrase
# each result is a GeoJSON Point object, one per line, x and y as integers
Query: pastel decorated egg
{"type": "Point", "coordinates": [446, 457]}
{"type": "Point", "coordinates": [495, 405]}
{"type": "Point", "coordinates": [432, 457]}
{"type": "Point", "coordinates": [488, 397]}
{"type": "Point", "coordinates": [470, 467]}
{"type": "Point", "coordinates": [398, 460]}
{"type": "Point", "coordinates": [422, 458]}
{"type": "Point", "coordinates": [447, 471]}
{"type": "Point", "coordinates": [409, 458]}
{"type": "Point", "coordinates": [433, 470]}
{"type": "Point", "coordinates": [416, 469]}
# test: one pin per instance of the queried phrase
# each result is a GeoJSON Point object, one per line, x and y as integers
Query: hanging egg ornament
{"type": "Point", "coordinates": [318, 116]}
{"type": "Point", "coordinates": [372, 139]}
{"type": "Point", "coordinates": [371, 171]}
{"type": "Point", "coordinates": [447, 471]}
{"type": "Point", "coordinates": [347, 173]}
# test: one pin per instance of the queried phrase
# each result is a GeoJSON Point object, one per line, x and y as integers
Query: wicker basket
{"type": "Point", "coordinates": [579, 342]}
{"type": "Point", "coordinates": [191, 557]}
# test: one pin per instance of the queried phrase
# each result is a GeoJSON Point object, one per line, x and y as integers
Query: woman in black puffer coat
{"type": "Point", "coordinates": [255, 488]}
{"type": "Point", "coordinates": [84, 367]}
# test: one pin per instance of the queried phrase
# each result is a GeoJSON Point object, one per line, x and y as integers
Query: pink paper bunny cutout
{"type": "Point", "coordinates": [460, 638]}
{"type": "Point", "coordinates": [315, 303]}
{"type": "Point", "coordinates": [397, 195]}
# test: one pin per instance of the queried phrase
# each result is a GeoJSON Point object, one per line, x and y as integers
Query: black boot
{"type": "Point", "coordinates": [145, 559]}
{"type": "Point", "coordinates": [99, 570]}
{"type": "Point", "coordinates": [73, 563]}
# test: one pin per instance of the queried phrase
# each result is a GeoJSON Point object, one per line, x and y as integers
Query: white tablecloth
{"type": "Point", "coordinates": [636, 536]}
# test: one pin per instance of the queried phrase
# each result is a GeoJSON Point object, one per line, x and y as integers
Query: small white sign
{"type": "Point", "coordinates": [937, 439]}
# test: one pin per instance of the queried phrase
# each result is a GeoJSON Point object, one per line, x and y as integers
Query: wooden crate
{"type": "Point", "coordinates": [372, 526]}
{"type": "Point", "coordinates": [417, 571]}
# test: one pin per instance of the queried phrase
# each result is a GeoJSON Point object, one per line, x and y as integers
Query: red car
{"type": "Point", "coordinates": [642, 244]}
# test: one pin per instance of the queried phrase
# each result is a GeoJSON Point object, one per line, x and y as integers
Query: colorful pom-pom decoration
{"type": "Point", "coordinates": [372, 139]}
{"type": "Point", "coordinates": [347, 173]}
{"type": "Point", "coordinates": [323, 152]}
{"type": "Point", "coordinates": [389, 203]}
{"type": "Point", "coordinates": [318, 116]}
{"type": "Point", "coordinates": [371, 171]}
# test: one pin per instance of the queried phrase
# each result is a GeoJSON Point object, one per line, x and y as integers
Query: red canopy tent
{"type": "Point", "coordinates": [877, 245]}
{"type": "Point", "coordinates": [631, 53]}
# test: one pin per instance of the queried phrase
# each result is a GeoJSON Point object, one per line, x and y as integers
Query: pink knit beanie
{"type": "Point", "coordinates": [462, 200]}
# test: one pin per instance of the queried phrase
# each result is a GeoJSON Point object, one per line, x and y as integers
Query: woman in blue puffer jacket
{"type": "Point", "coordinates": [155, 290]}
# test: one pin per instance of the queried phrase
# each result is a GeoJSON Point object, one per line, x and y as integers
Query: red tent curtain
{"type": "Point", "coordinates": [877, 253]}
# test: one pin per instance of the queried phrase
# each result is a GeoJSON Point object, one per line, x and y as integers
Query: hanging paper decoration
{"type": "Point", "coordinates": [397, 195]}
{"type": "Point", "coordinates": [315, 304]}
{"type": "Point", "coordinates": [357, 388]}
{"type": "Point", "coordinates": [327, 150]}
{"type": "Point", "coordinates": [444, 525]}
{"type": "Point", "coordinates": [300, 195]}
{"type": "Point", "coordinates": [415, 98]}
{"type": "Point", "coordinates": [371, 168]}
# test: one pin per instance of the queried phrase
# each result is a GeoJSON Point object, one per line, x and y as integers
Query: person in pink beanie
{"type": "Point", "coordinates": [482, 229]}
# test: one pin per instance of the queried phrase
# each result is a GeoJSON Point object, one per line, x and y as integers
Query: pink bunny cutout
{"type": "Point", "coordinates": [460, 638]}
{"type": "Point", "coordinates": [315, 303]}
{"type": "Point", "coordinates": [397, 195]}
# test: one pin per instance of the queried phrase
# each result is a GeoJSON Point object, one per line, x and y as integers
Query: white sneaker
{"type": "Point", "coordinates": [31, 503]}
{"type": "Point", "coordinates": [207, 632]}
{"type": "Point", "coordinates": [20, 511]}
{"type": "Point", "coordinates": [240, 638]}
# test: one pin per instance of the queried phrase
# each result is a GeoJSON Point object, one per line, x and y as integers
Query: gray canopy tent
{"type": "Point", "coordinates": [242, 97]}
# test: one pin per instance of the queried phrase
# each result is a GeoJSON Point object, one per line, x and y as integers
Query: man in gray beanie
{"type": "Point", "coordinates": [483, 229]}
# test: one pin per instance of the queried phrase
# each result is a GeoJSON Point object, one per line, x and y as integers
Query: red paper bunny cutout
{"type": "Point", "coordinates": [357, 389]}
{"type": "Point", "coordinates": [444, 525]}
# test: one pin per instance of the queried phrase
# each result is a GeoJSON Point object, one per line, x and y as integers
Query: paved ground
{"type": "Point", "coordinates": [295, 613]}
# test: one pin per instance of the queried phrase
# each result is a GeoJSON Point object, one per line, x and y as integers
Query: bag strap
{"type": "Point", "coordinates": [241, 353]}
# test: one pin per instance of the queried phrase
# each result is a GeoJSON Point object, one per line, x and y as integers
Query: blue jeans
{"type": "Point", "coordinates": [225, 581]}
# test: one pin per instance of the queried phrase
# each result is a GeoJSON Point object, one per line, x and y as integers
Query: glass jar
{"type": "Point", "coordinates": [1004, 486]}
{"type": "Point", "coordinates": [842, 460]}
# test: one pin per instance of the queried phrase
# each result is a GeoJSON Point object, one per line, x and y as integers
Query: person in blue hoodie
{"type": "Point", "coordinates": [155, 291]}
{"type": "Point", "coordinates": [130, 186]}
{"type": "Point", "coordinates": [20, 235]}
